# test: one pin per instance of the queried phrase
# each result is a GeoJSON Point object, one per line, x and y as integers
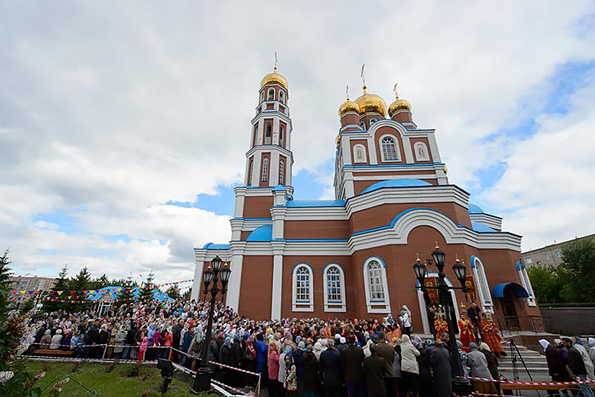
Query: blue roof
{"type": "Point", "coordinates": [396, 183]}
{"type": "Point", "coordinates": [517, 289]}
{"type": "Point", "coordinates": [115, 291]}
{"type": "Point", "coordinates": [211, 246]}
{"type": "Point", "coordinates": [481, 228]}
{"type": "Point", "coordinates": [475, 209]}
{"type": "Point", "coordinates": [262, 233]}
{"type": "Point", "coordinates": [316, 203]}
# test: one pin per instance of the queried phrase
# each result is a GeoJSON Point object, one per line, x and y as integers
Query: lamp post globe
{"type": "Point", "coordinates": [216, 263]}
{"type": "Point", "coordinates": [439, 256]}
{"type": "Point", "coordinates": [225, 274]}
{"type": "Point", "coordinates": [420, 270]}
{"type": "Point", "coordinates": [460, 271]}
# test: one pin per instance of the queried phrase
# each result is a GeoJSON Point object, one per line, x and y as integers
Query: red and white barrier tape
{"type": "Point", "coordinates": [528, 383]}
{"type": "Point", "coordinates": [229, 387]}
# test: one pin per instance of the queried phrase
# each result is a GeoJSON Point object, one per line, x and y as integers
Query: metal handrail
{"type": "Point", "coordinates": [521, 323]}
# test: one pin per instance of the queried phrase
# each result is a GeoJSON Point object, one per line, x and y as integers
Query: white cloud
{"type": "Point", "coordinates": [112, 109]}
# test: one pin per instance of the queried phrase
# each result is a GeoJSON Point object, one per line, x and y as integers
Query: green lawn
{"type": "Point", "coordinates": [107, 379]}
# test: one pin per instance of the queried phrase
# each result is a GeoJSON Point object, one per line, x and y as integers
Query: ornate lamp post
{"type": "Point", "coordinates": [210, 278]}
{"type": "Point", "coordinates": [461, 386]}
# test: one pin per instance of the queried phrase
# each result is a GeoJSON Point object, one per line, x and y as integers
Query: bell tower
{"type": "Point", "coordinates": [269, 159]}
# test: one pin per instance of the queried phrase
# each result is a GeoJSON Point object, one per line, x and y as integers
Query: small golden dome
{"type": "Point", "coordinates": [398, 106]}
{"type": "Point", "coordinates": [338, 139]}
{"type": "Point", "coordinates": [274, 78]}
{"type": "Point", "coordinates": [369, 103]}
{"type": "Point", "coordinates": [348, 106]}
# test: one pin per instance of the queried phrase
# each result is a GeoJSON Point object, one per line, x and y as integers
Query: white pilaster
{"type": "Point", "coordinates": [199, 259]}
{"type": "Point", "coordinates": [277, 291]}
{"type": "Point", "coordinates": [235, 281]}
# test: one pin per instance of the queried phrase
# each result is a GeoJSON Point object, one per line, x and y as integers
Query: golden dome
{"type": "Point", "coordinates": [398, 105]}
{"type": "Point", "coordinates": [273, 78]}
{"type": "Point", "coordinates": [348, 106]}
{"type": "Point", "coordinates": [338, 139]}
{"type": "Point", "coordinates": [371, 103]}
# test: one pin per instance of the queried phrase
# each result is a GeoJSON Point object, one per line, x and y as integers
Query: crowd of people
{"type": "Point", "coordinates": [296, 357]}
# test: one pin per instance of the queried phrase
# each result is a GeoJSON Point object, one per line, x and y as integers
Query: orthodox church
{"type": "Point", "coordinates": [353, 257]}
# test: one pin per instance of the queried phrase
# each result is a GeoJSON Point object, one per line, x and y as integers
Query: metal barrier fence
{"type": "Point", "coordinates": [521, 323]}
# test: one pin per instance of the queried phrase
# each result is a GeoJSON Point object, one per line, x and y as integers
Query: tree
{"type": "Point", "coordinates": [578, 258]}
{"type": "Point", "coordinates": [61, 285]}
{"type": "Point", "coordinates": [101, 282]}
{"type": "Point", "coordinates": [173, 292]}
{"type": "Point", "coordinates": [146, 292]}
{"type": "Point", "coordinates": [11, 331]}
{"type": "Point", "coordinates": [547, 284]}
{"type": "Point", "coordinates": [81, 282]}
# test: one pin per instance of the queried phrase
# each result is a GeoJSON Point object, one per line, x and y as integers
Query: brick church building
{"type": "Point", "coordinates": [352, 257]}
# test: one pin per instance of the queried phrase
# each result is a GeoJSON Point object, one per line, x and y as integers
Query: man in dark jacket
{"type": "Point", "coordinates": [177, 336]}
{"type": "Point", "coordinates": [555, 363]}
{"type": "Point", "coordinates": [387, 352]}
{"type": "Point", "coordinates": [374, 370]}
{"type": "Point", "coordinates": [310, 371]}
{"type": "Point", "coordinates": [331, 370]}
{"type": "Point", "coordinates": [440, 362]}
{"type": "Point", "coordinates": [353, 359]}
{"type": "Point", "coordinates": [575, 360]}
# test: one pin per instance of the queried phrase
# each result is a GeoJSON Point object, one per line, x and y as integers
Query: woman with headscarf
{"type": "Point", "coordinates": [492, 362]}
{"type": "Point", "coordinates": [310, 368]}
{"type": "Point", "coordinates": [592, 350]}
{"type": "Point", "coordinates": [274, 385]}
{"type": "Point", "coordinates": [56, 340]}
{"type": "Point", "coordinates": [463, 358]}
{"type": "Point", "coordinates": [195, 347]}
{"type": "Point", "coordinates": [405, 319]}
{"type": "Point", "coordinates": [290, 376]}
{"type": "Point", "coordinates": [409, 365]}
{"type": "Point", "coordinates": [578, 345]}
{"type": "Point", "coordinates": [119, 342]}
{"type": "Point", "coordinates": [478, 366]}
{"type": "Point", "coordinates": [225, 357]}
{"type": "Point", "coordinates": [555, 363]}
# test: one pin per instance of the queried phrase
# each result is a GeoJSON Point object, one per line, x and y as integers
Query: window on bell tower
{"type": "Point", "coordinates": [282, 135]}
{"type": "Point", "coordinates": [265, 169]}
{"type": "Point", "coordinates": [282, 172]}
{"type": "Point", "coordinates": [281, 97]}
{"type": "Point", "coordinates": [271, 94]}
{"type": "Point", "coordinates": [250, 171]}
{"type": "Point", "coordinates": [267, 134]}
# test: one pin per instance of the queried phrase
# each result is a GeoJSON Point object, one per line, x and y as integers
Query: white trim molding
{"type": "Point", "coordinates": [307, 304]}
{"type": "Point", "coordinates": [378, 305]}
{"type": "Point", "coordinates": [335, 305]}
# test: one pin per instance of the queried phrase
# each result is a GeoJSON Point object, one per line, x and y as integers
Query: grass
{"type": "Point", "coordinates": [109, 379]}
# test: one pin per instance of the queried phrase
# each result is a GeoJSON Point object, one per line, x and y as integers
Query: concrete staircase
{"type": "Point", "coordinates": [534, 360]}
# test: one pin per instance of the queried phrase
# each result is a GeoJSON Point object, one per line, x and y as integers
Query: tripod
{"type": "Point", "coordinates": [515, 355]}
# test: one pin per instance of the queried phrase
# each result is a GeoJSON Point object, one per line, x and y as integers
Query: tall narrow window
{"type": "Point", "coordinates": [376, 286]}
{"type": "Point", "coordinates": [265, 169]}
{"type": "Point", "coordinates": [282, 172]}
{"type": "Point", "coordinates": [262, 96]}
{"type": "Point", "coordinates": [271, 94]}
{"type": "Point", "coordinates": [389, 149]}
{"type": "Point", "coordinates": [281, 97]}
{"type": "Point", "coordinates": [375, 281]}
{"type": "Point", "coordinates": [334, 288]}
{"type": "Point", "coordinates": [481, 283]}
{"type": "Point", "coordinates": [267, 134]}
{"type": "Point", "coordinates": [254, 134]}
{"type": "Point", "coordinates": [282, 135]}
{"type": "Point", "coordinates": [250, 170]}
{"type": "Point", "coordinates": [303, 292]}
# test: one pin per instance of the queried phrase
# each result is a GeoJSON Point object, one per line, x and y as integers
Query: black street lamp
{"type": "Point", "coordinates": [210, 278]}
{"type": "Point", "coordinates": [460, 385]}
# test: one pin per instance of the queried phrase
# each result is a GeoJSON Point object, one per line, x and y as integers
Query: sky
{"type": "Point", "coordinates": [124, 125]}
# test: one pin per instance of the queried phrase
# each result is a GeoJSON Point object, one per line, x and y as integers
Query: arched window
{"type": "Point", "coordinates": [526, 282]}
{"type": "Point", "coordinates": [303, 293]}
{"type": "Point", "coordinates": [334, 289]}
{"type": "Point", "coordinates": [359, 154]}
{"type": "Point", "coordinates": [271, 94]}
{"type": "Point", "coordinates": [372, 121]}
{"type": "Point", "coordinates": [267, 134]}
{"type": "Point", "coordinates": [265, 169]}
{"type": "Point", "coordinates": [363, 125]}
{"type": "Point", "coordinates": [281, 172]}
{"type": "Point", "coordinates": [282, 135]}
{"type": "Point", "coordinates": [481, 283]}
{"type": "Point", "coordinates": [262, 96]}
{"type": "Point", "coordinates": [281, 97]}
{"type": "Point", "coordinates": [255, 134]}
{"type": "Point", "coordinates": [389, 149]}
{"type": "Point", "coordinates": [376, 286]}
{"type": "Point", "coordinates": [250, 170]}
{"type": "Point", "coordinates": [421, 151]}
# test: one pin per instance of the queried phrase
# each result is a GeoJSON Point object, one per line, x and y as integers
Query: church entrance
{"type": "Point", "coordinates": [509, 310]}
{"type": "Point", "coordinates": [431, 299]}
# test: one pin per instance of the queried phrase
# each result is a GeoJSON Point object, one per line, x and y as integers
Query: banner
{"type": "Point", "coordinates": [430, 283]}
{"type": "Point", "coordinates": [471, 290]}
